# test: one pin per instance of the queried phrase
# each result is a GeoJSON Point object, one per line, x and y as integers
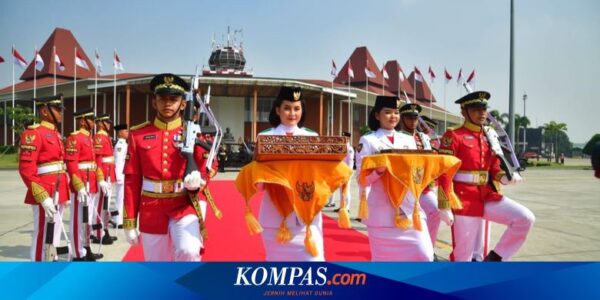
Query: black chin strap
{"type": "Point", "coordinates": [52, 114]}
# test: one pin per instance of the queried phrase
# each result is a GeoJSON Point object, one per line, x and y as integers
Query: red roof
{"type": "Point", "coordinates": [65, 44]}
{"type": "Point", "coordinates": [392, 67]}
{"type": "Point", "coordinates": [360, 59]}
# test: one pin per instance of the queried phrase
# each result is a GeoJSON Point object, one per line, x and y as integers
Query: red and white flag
{"type": "Point", "coordinates": [117, 62]}
{"type": "Point", "coordinates": [19, 60]}
{"type": "Point", "coordinates": [1, 59]}
{"type": "Point", "coordinates": [385, 74]}
{"type": "Point", "coordinates": [369, 73]}
{"type": "Point", "coordinates": [98, 63]}
{"type": "Point", "coordinates": [80, 62]}
{"type": "Point", "coordinates": [350, 71]}
{"type": "Point", "coordinates": [333, 68]}
{"type": "Point", "coordinates": [431, 74]}
{"type": "Point", "coordinates": [459, 79]}
{"type": "Point", "coordinates": [39, 62]}
{"type": "Point", "coordinates": [418, 75]}
{"type": "Point", "coordinates": [448, 76]}
{"type": "Point", "coordinates": [471, 78]}
{"type": "Point", "coordinates": [401, 75]}
{"type": "Point", "coordinates": [58, 62]}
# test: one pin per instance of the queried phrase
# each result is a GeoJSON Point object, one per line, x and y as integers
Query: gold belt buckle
{"type": "Point", "coordinates": [482, 178]}
{"type": "Point", "coordinates": [168, 187]}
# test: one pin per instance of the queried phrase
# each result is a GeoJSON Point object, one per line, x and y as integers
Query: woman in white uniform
{"type": "Point", "coordinates": [389, 242]}
{"type": "Point", "coordinates": [287, 118]}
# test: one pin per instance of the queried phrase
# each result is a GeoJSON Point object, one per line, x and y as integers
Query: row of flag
{"type": "Point", "coordinates": [418, 75]}
{"type": "Point", "coordinates": [79, 61]}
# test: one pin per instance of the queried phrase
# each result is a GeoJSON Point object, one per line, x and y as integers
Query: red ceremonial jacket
{"type": "Point", "coordinates": [80, 150]}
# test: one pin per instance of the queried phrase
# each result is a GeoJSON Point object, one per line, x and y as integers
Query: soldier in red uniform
{"type": "Point", "coordinates": [42, 169]}
{"type": "Point", "coordinates": [81, 165]}
{"type": "Point", "coordinates": [435, 143]}
{"type": "Point", "coordinates": [156, 191]}
{"type": "Point", "coordinates": [106, 177]}
{"type": "Point", "coordinates": [473, 184]}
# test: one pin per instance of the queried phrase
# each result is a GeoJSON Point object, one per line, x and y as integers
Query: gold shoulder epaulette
{"type": "Point", "coordinates": [34, 126]}
{"type": "Point", "coordinates": [451, 128]}
{"type": "Point", "coordinates": [138, 126]}
{"type": "Point", "coordinates": [75, 132]}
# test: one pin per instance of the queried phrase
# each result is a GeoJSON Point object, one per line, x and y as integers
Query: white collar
{"type": "Point", "coordinates": [287, 128]}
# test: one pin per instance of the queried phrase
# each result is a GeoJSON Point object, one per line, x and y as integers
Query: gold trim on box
{"type": "Point", "coordinates": [281, 147]}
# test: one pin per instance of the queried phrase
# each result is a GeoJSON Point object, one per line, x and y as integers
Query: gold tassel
{"type": "Point", "coordinates": [417, 217]}
{"type": "Point", "coordinates": [363, 208]}
{"type": "Point", "coordinates": [309, 244]}
{"type": "Point", "coordinates": [343, 216]}
{"type": "Point", "coordinates": [251, 221]}
{"type": "Point", "coordinates": [211, 202]}
{"type": "Point", "coordinates": [283, 234]}
{"type": "Point", "coordinates": [402, 222]}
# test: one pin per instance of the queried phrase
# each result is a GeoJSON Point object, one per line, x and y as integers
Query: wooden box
{"type": "Point", "coordinates": [281, 147]}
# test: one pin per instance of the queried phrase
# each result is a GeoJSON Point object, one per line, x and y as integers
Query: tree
{"type": "Point", "coordinates": [23, 117]}
{"type": "Point", "coordinates": [553, 131]}
{"type": "Point", "coordinates": [587, 149]}
{"type": "Point", "coordinates": [501, 118]}
{"type": "Point", "coordinates": [521, 122]}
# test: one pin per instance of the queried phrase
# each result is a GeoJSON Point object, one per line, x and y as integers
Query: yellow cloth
{"type": "Point", "coordinates": [408, 172]}
{"type": "Point", "coordinates": [303, 186]}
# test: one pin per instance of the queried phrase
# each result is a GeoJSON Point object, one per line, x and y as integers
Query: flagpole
{"type": "Point", "coordinates": [96, 84]}
{"type": "Point", "coordinates": [13, 96]}
{"type": "Point", "coordinates": [34, 80]}
{"type": "Point", "coordinates": [330, 129]}
{"type": "Point", "coordinates": [431, 97]}
{"type": "Point", "coordinates": [75, 87]}
{"type": "Point", "coordinates": [54, 58]}
{"type": "Point", "coordinates": [415, 85]}
{"type": "Point", "coordinates": [349, 102]}
{"type": "Point", "coordinates": [445, 112]}
{"type": "Point", "coordinates": [115, 89]}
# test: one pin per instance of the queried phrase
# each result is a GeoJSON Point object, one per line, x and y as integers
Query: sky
{"type": "Point", "coordinates": [556, 61]}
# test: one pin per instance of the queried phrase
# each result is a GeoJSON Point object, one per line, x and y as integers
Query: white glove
{"type": "Point", "coordinates": [82, 196]}
{"type": "Point", "coordinates": [515, 179]}
{"type": "Point", "coordinates": [132, 236]}
{"type": "Point", "coordinates": [49, 209]}
{"type": "Point", "coordinates": [120, 180]}
{"type": "Point", "coordinates": [446, 216]}
{"type": "Point", "coordinates": [260, 186]}
{"type": "Point", "coordinates": [104, 186]}
{"type": "Point", "coordinates": [193, 181]}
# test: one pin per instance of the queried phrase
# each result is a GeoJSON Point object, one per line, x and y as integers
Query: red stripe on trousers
{"type": "Point", "coordinates": [453, 243]}
{"type": "Point", "coordinates": [98, 215]}
{"type": "Point", "coordinates": [76, 227]}
{"type": "Point", "coordinates": [40, 236]}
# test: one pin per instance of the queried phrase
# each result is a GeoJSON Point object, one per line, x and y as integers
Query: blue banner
{"type": "Point", "coordinates": [566, 280]}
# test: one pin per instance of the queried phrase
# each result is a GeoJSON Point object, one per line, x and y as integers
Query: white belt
{"type": "Point", "coordinates": [87, 165]}
{"type": "Point", "coordinates": [472, 177]}
{"type": "Point", "coordinates": [167, 186]}
{"type": "Point", "coordinates": [56, 167]}
{"type": "Point", "coordinates": [108, 159]}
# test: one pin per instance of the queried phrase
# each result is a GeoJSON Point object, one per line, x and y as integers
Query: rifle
{"type": "Point", "coordinates": [500, 143]}
{"type": "Point", "coordinates": [61, 250]}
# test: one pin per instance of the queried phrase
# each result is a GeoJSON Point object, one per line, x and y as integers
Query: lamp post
{"type": "Point", "coordinates": [524, 123]}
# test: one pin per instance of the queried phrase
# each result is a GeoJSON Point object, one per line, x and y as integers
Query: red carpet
{"type": "Point", "coordinates": [229, 240]}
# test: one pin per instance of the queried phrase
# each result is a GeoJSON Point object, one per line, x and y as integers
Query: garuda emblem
{"type": "Point", "coordinates": [417, 174]}
{"type": "Point", "coordinates": [305, 189]}
{"type": "Point", "coordinates": [29, 139]}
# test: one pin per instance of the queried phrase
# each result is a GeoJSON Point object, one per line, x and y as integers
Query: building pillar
{"type": "Point", "coordinates": [254, 114]}
{"type": "Point", "coordinates": [321, 114]}
{"type": "Point", "coordinates": [127, 102]}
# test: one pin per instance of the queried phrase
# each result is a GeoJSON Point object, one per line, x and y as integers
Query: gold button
{"type": "Point", "coordinates": [165, 162]}
{"type": "Point", "coordinates": [166, 140]}
{"type": "Point", "coordinates": [165, 147]}
{"type": "Point", "coordinates": [166, 132]}
{"type": "Point", "coordinates": [165, 170]}
{"type": "Point", "coordinates": [165, 155]}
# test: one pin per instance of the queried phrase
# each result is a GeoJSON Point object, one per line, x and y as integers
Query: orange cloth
{"type": "Point", "coordinates": [303, 186]}
{"type": "Point", "coordinates": [409, 172]}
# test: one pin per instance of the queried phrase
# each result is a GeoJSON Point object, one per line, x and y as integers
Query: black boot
{"type": "Point", "coordinates": [107, 239]}
{"type": "Point", "coordinates": [90, 256]}
{"type": "Point", "coordinates": [493, 256]}
{"type": "Point", "coordinates": [94, 239]}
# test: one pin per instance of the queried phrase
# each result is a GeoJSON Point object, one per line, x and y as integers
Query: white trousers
{"type": "Point", "coordinates": [395, 244]}
{"type": "Point", "coordinates": [119, 203]}
{"type": "Point", "coordinates": [38, 237]}
{"type": "Point", "coordinates": [429, 204]}
{"type": "Point", "coordinates": [468, 231]}
{"type": "Point", "coordinates": [181, 243]}
{"type": "Point", "coordinates": [80, 231]}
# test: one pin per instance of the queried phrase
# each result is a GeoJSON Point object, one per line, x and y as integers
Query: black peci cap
{"type": "Point", "coordinates": [168, 84]}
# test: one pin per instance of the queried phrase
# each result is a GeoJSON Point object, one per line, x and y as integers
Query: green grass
{"type": "Point", "coordinates": [9, 161]}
